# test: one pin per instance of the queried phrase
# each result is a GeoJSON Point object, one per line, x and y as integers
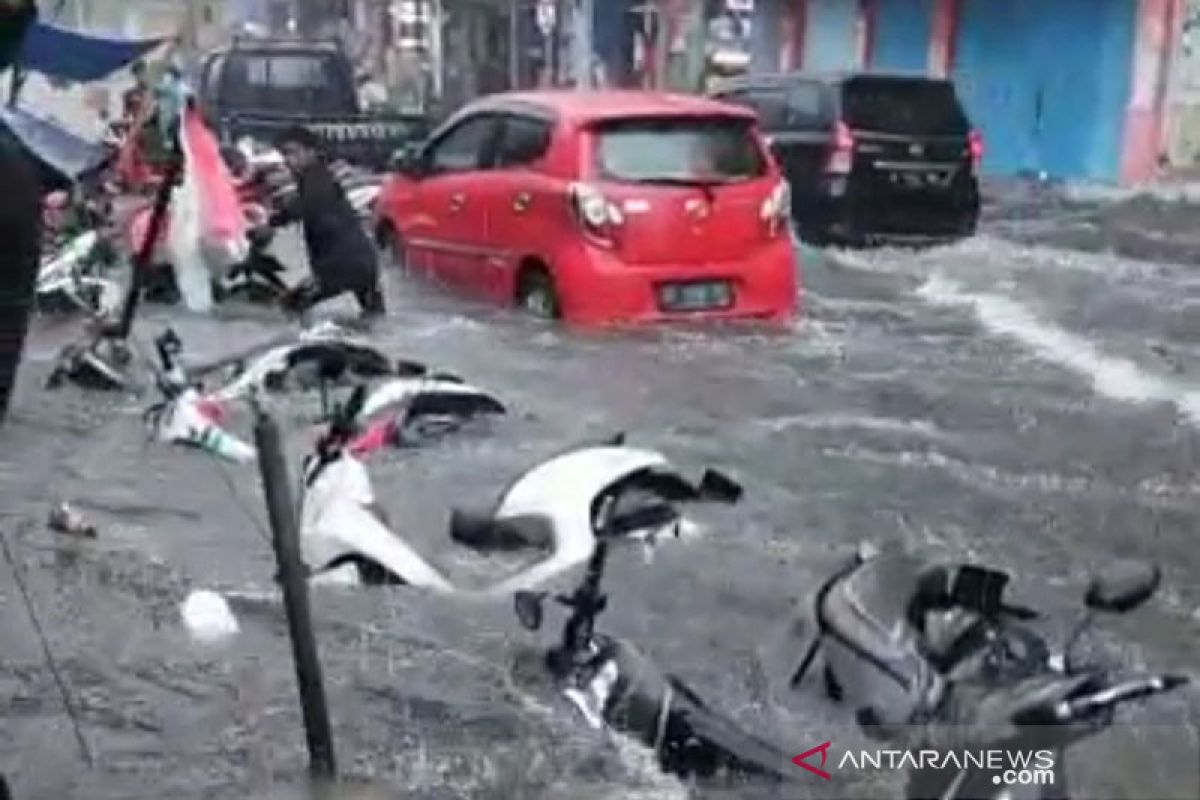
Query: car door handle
{"type": "Point", "coordinates": [457, 201]}
{"type": "Point", "coordinates": [522, 201]}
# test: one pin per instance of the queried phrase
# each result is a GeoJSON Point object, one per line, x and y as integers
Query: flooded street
{"type": "Point", "coordinates": [1032, 408]}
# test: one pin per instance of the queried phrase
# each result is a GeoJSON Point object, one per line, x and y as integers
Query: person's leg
{"type": "Point", "coordinates": [370, 300]}
{"type": "Point", "coordinates": [307, 294]}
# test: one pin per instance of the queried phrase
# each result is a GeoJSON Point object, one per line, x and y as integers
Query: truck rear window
{"type": "Point", "coordinates": [903, 106]}
{"type": "Point", "coordinates": [679, 149]}
{"type": "Point", "coordinates": [295, 82]}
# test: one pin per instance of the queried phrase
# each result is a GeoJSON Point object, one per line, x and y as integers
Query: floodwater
{"type": "Point", "coordinates": [1033, 408]}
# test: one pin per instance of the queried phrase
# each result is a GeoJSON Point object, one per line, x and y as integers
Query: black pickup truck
{"type": "Point", "coordinates": [257, 86]}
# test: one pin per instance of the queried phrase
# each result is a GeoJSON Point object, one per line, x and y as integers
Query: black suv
{"type": "Point", "coordinates": [870, 156]}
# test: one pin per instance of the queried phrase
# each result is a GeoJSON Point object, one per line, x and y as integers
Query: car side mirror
{"type": "Point", "coordinates": [409, 161]}
{"type": "Point", "coordinates": [1123, 587]}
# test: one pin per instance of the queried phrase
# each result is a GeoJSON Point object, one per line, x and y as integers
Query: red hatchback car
{"type": "Point", "coordinates": [598, 207]}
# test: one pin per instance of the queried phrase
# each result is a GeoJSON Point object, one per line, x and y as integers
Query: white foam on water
{"type": "Point", "coordinates": [1110, 376]}
{"type": "Point", "coordinates": [853, 422]}
{"type": "Point", "coordinates": [208, 617]}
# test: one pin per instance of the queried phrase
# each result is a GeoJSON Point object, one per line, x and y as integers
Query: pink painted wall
{"type": "Point", "coordinates": [941, 40]}
{"type": "Point", "coordinates": [1145, 115]}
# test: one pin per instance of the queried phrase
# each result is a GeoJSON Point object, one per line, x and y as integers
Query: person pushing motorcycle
{"type": "Point", "coordinates": [341, 257]}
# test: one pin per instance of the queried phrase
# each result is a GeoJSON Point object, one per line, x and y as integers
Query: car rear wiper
{"type": "Point", "coordinates": [680, 180]}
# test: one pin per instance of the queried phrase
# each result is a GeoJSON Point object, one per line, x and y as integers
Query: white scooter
{"type": "Point", "coordinates": [65, 281]}
{"type": "Point", "coordinates": [190, 418]}
{"type": "Point", "coordinates": [553, 506]}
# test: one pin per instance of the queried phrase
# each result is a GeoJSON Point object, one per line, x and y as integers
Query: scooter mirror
{"type": "Point", "coordinates": [528, 606]}
{"type": "Point", "coordinates": [410, 369]}
{"type": "Point", "coordinates": [717, 486]}
{"type": "Point", "coordinates": [1123, 587]}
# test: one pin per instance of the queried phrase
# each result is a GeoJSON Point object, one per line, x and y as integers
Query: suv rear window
{"type": "Point", "coordinates": [282, 82]}
{"type": "Point", "coordinates": [675, 149]}
{"type": "Point", "coordinates": [903, 106]}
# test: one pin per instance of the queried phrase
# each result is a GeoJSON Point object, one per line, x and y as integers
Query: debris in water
{"type": "Point", "coordinates": [208, 617]}
{"type": "Point", "coordinates": [65, 519]}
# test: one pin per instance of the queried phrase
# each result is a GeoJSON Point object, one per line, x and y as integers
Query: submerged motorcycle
{"type": "Point", "coordinates": [258, 279]}
{"type": "Point", "coordinates": [551, 505]}
{"type": "Point", "coordinates": [615, 686]}
{"type": "Point", "coordinates": [189, 417]}
{"type": "Point", "coordinates": [934, 657]}
{"type": "Point", "coordinates": [70, 279]}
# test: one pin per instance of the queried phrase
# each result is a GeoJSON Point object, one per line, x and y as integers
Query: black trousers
{"type": "Point", "coordinates": [310, 292]}
{"type": "Point", "coordinates": [20, 245]}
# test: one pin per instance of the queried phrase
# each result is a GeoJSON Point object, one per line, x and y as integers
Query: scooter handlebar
{"type": "Point", "coordinates": [1111, 696]}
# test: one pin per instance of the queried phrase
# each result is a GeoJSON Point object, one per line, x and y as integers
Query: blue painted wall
{"type": "Point", "coordinates": [612, 38]}
{"type": "Point", "coordinates": [1046, 81]}
{"type": "Point", "coordinates": [902, 33]}
{"type": "Point", "coordinates": [829, 35]}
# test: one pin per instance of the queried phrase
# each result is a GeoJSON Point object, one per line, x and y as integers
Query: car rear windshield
{"type": "Point", "coordinates": [675, 149]}
{"type": "Point", "coordinates": [903, 106]}
{"type": "Point", "coordinates": [301, 83]}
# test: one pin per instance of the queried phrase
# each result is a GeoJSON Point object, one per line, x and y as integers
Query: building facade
{"type": "Point", "coordinates": [1065, 88]}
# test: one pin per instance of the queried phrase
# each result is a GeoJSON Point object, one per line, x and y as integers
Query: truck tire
{"type": "Point", "coordinates": [20, 244]}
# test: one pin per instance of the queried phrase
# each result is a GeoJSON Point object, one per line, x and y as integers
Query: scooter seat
{"type": "Point", "coordinates": [480, 530]}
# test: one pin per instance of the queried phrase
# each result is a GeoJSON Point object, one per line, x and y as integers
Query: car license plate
{"type": "Point", "coordinates": [919, 180]}
{"type": "Point", "coordinates": [695, 296]}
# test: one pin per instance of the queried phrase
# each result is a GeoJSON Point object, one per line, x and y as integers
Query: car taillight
{"type": "Point", "coordinates": [841, 160]}
{"type": "Point", "coordinates": [975, 145]}
{"type": "Point", "coordinates": [596, 215]}
{"type": "Point", "coordinates": [777, 208]}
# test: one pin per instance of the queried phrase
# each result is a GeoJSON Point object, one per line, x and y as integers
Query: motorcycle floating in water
{"type": "Point", "coordinates": [613, 685]}
{"type": "Point", "coordinates": [188, 417]}
{"type": "Point", "coordinates": [70, 279]}
{"type": "Point", "coordinates": [551, 505]}
{"type": "Point", "coordinates": [258, 279]}
{"type": "Point", "coordinates": [932, 656]}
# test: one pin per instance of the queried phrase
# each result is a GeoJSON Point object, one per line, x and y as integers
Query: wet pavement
{"type": "Point", "coordinates": [1035, 408]}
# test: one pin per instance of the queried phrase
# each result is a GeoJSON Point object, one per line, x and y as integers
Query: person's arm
{"type": "Point", "coordinates": [290, 211]}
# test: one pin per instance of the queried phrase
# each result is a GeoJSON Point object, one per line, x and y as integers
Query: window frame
{"type": "Point", "coordinates": [487, 154]}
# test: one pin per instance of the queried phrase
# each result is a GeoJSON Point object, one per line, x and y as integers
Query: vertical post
{"type": "Point", "coordinates": [587, 79]}
{"type": "Point", "coordinates": [282, 515]}
{"type": "Point", "coordinates": [514, 44]}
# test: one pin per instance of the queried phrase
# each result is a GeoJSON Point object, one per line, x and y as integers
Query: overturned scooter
{"type": "Point", "coordinates": [551, 506]}
{"type": "Point", "coordinates": [615, 686]}
{"type": "Point", "coordinates": [391, 414]}
{"type": "Point", "coordinates": [932, 656]}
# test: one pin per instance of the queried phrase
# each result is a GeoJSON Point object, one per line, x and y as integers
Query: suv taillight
{"type": "Point", "coordinates": [777, 208]}
{"type": "Point", "coordinates": [841, 159]}
{"type": "Point", "coordinates": [596, 215]}
{"type": "Point", "coordinates": [975, 145]}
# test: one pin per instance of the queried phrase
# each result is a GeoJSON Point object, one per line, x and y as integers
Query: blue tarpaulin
{"type": "Point", "coordinates": [63, 154]}
{"type": "Point", "coordinates": [64, 54]}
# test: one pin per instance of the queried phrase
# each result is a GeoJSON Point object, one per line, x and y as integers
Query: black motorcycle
{"type": "Point", "coordinates": [932, 657]}
{"type": "Point", "coordinates": [258, 279]}
{"type": "Point", "coordinates": [616, 686]}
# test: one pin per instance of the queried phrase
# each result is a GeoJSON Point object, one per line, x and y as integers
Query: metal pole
{"type": "Point", "coordinates": [145, 254]}
{"type": "Point", "coordinates": [292, 575]}
{"type": "Point", "coordinates": [514, 44]}
{"type": "Point", "coordinates": [588, 9]}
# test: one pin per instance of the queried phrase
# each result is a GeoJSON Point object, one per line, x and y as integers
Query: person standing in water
{"type": "Point", "coordinates": [341, 257]}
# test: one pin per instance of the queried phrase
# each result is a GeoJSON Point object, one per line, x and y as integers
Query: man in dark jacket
{"type": "Point", "coordinates": [340, 255]}
{"type": "Point", "coordinates": [20, 217]}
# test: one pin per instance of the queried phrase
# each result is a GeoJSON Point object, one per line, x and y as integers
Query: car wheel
{"type": "Point", "coordinates": [537, 294]}
{"type": "Point", "coordinates": [391, 246]}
